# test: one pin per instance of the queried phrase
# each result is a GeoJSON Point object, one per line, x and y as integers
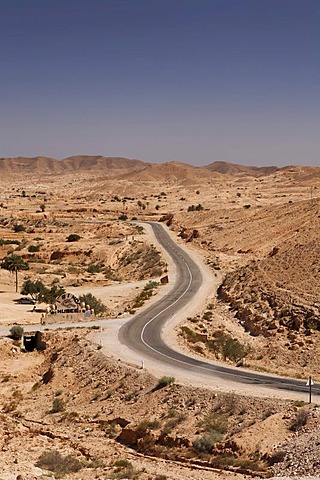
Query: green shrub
{"type": "Point", "coordinates": [189, 333]}
{"type": "Point", "coordinates": [73, 237]}
{"type": "Point", "coordinates": [49, 295]}
{"type": "Point", "coordinates": [33, 248]}
{"type": "Point", "coordinates": [18, 228]}
{"type": "Point", "coordinates": [8, 242]}
{"type": "Point", "coordinates": [172, 412]}
{"type": "Point", "coordinates": [193, 208]}
{"type": "Point", "coordinates": [95, 267]}
{"type": "Point", "coordinates": [254, 464]}
{"type": "Point", "coordinates": [229, 347]}
{"type": "Point", "coordinates": [95, 304]}
{"type": "Point", "coordinates": [16, 332]}
{"type": "Point", "coordinates": [233, 350]}
{"type": "Point", "coordinates": [151, 285]}
{"type": "Point", "coordinates": [164, 382]}
{"type": "Point", "coordinates": [145, 294]}
{"type": "Point", "coordinates": [207, 315]}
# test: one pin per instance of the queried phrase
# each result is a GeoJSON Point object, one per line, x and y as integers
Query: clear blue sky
{"type": "Point", "coordinates": [160, 80]}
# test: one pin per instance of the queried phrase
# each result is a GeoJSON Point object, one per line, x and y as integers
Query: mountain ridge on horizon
{"type": "Point", "coordinates": [50, 165]}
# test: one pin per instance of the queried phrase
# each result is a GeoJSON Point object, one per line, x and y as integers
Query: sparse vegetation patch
{"type": "Point", "coordinates": [59, 464]}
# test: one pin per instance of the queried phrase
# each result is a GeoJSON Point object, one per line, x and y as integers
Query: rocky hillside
{"type": "Point", "coordinates": [282, 289]}
{"type": "Point", "coordinates": [110, 419]}
{"type": "Point", "coordinates": [173, 172]}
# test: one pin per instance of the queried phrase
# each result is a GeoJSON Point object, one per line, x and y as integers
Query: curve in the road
{"type": "Point", "coordinates": [143, 332]}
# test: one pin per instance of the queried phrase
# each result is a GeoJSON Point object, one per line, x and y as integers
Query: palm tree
{"type": "Point", "coordinates": [14, 263]}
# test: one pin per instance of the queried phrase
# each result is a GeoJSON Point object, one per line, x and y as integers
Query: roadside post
{"type": "Point", "coordinates": [309, 384]}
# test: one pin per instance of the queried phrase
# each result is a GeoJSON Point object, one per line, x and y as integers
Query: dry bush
{"type": "Point", "coordinates": [9, 407]}
{"type": "Point", "coordinates": [300, 420]}
{"type": "Point", "coordinates": [173, 423]}
{"type": "Point", "coordinates": [58, 405]}
{"type": "Point", "coordinates": [204, 444]}
{"type": "Point", "coordinates": [214, 423]}
{"type": "Point", "coordinates": [59, 464]}
{"type": "Point", "coordinates": [146, 425]}
{"type": "Point", "coordinates": [276, 457]}
{"type": "Point", "coordinates": [123, 469]}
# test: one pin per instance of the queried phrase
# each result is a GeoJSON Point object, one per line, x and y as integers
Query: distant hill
{"type": "Point", "coordinates": [108, 167]}
{"type": "Point", "coordinates": [122, 168]}
{"type": "Point", "coordinates": [303, 174]}
{"type": "Point", "coordinates": [88, 162]}
{"type": "Point", "coordinates": [236, 169]}
{"type": "Point", "coordinates": [174, 171]}
{"type": "Point", "coordinates": [45, 165]}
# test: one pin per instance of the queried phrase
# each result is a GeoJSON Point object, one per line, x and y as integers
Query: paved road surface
{"type": "Point", "coordinates": [143, 332]}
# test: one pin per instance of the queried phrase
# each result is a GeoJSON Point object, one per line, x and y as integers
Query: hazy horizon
{"type": "Point", "coordinates": [167, 80]}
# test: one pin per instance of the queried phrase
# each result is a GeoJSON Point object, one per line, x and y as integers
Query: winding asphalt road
{"type": "Point", "coordinates": [143, 332]}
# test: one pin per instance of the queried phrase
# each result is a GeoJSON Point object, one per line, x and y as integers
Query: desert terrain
{"type": "Point", "coordinates": [257, 230]}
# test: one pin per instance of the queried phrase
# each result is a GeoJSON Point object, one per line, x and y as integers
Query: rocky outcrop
{"type": "Point", "coordinates": [264, 306]}
{"type": "Point", "coordinates": [189, 234]}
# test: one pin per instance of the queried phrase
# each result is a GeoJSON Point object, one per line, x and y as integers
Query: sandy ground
{"type": "Point", "coordinates": [12, 312]}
